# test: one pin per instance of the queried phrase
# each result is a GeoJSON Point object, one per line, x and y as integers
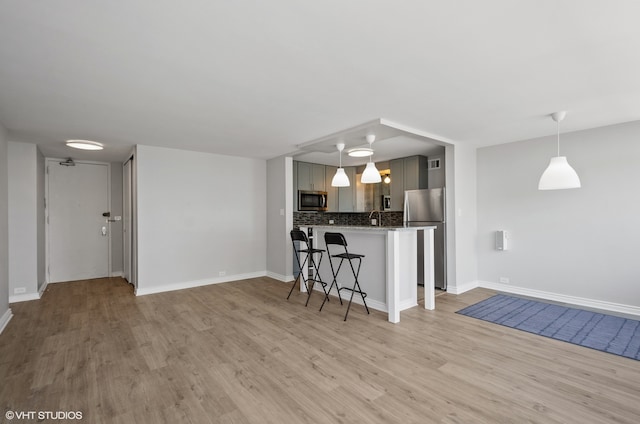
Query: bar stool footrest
{"type": "Point", "coordinates": [364, 294]}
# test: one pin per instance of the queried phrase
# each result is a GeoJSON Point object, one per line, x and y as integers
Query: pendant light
{"type": "Point", "coordinates": [340, 179]}
{"type": "Point", "coordinates": [371, 174]}
{"type": "Point", "coordinates": [559, 174]}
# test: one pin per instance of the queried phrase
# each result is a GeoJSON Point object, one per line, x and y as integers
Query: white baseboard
{"type": "Point", "coordinates": [371, 303]}
{"type": "Point", "coordinates": [280, 277]}
{"type": "Point", "coordinates": [24, 297]}
{"type": "Point", "coordinates": [197, 283]}
{"type": "Point", "coordinates": [4, 320]}
{"type": "Point", "coordinates": [571, 300]}
{"type": "Point", "coordinates": [117, 274]}
{"type": "Point", "coordinates": [407, 304]}
{"type": "Point", "coordinates": [464, 287]}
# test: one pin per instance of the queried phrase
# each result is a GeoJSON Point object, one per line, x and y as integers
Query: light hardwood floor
{"type": "Point", "coordinates": [240, 353]}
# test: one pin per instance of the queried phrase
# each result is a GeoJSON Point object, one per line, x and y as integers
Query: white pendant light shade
{"type": "Point", "coordinates": [340, 179]}
{"type": "Point", "coordinates": [559, 175]}
{"type": "Point", "coordinates": [371, 174]}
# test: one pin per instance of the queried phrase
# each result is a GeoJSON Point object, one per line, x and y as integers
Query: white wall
{"type": "Point", "coordinates": [581, 243]}
{"type": "Point", "coordinates": [279, 217]}
{"type": "Point", "coordinates": [199, 215]}
{"type": "Point", "coordinates": [40, 220]}
{"type": "Point", "coordinates": [5, 311]}
{"type": "Point", "coordinates": [23, 231]}
{"type": "Point", "coordinates": [462, 260]}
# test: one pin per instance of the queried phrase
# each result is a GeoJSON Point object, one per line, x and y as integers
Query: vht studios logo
{"type": "Point", "coordinates": [43, 415]}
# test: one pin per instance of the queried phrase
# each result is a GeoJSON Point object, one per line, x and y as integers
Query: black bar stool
{"type": "Point", "coordinates": [301, 237]}
{"type": "Point", "coordinates": [339, 240]}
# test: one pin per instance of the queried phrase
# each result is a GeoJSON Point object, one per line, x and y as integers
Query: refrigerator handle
{"type": "Point", "coordinates": [406, 208]}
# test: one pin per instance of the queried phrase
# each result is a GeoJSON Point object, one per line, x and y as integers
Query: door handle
{"type": "Point", "coordinates": [104, 231]}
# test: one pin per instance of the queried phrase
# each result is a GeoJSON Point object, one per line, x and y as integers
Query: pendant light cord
{"type": "Point", "coordinates": [558, 126]}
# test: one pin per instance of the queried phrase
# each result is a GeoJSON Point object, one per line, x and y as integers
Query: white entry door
{"type": "Point", "coordinates": [78, 233]}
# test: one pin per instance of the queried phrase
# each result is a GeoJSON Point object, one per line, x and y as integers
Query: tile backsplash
{"type": "Point", "coordinates": [344, 218]}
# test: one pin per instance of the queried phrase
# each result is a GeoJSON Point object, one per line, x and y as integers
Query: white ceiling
{"type": "Point", "coordinates": [392, 141]}
{"type": "Point", "coordinates": [257, 78]}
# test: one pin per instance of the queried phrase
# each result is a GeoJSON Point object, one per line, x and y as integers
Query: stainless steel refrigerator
{"type": "Point", "coordinates": [427, 208]}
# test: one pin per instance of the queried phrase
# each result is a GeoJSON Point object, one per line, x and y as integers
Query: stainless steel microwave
{"type": "Point", "coordinates": [312, 200]}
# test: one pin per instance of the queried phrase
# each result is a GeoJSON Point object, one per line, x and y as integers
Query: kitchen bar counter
{"type": "Point", "coordinates": [390, 266]}
{"type": "Point", "coordinates": [340, 228]}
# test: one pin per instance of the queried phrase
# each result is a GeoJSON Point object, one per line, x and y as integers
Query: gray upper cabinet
{"type": "Point", "coordinates": [347, 195]}
{"type": "Point", "coordinates": [332, 192]}
{"type": "Point", "coordinates": [304, 176]}
{"type": "Point", "coordinates": [410, 173]}
{"type": "Point", "coordinates": [416, 172]}
{"type": "Point", "coordinates": [318, 173]}
{"type": "Point", "coordinates": [311, 176]}
{"type": "Point", "coordinates": [396, 166]}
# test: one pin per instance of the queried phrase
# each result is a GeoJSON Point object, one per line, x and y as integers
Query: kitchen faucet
{"type": "Point", "coordinates": [379, 217]}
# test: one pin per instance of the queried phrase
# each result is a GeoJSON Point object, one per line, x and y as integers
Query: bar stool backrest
{"type": "Point", "coordinates": [335, 238]}
{"type": "Point", "coordinates": [299, 235]}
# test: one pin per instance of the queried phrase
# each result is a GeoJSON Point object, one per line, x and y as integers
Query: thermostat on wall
{"type": "Point", "coordinates": [501, 240]}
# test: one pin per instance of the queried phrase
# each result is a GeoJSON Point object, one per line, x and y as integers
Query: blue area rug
{"type": "Point", "coordinates": [620, 336]}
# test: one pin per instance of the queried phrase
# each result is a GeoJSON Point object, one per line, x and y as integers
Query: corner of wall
{"type": "Point", "coordinates": [462, 227]}
{"type": "Point", "coordinates": [279, 216]}
{"type": "Point", "coordinates": [4, 319]}
{"type": "Point", "coordinates": [5, 311]}
{"type": "Point", "coordinates": [463, 287]}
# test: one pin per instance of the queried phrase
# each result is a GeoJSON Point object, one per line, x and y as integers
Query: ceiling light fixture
{"type": "Point", "coordinates": [85, 144]}
{"type": "Point", "coordinates": [360, 152]}
{"type": "Point", "coordinates": [340, 179]}
{"type": "Point", "coordinates": [387, 179]}
{"type": "Point", "coordinates": [559, 174]}
{"type": "Point", "coordinates": [371, 174]}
